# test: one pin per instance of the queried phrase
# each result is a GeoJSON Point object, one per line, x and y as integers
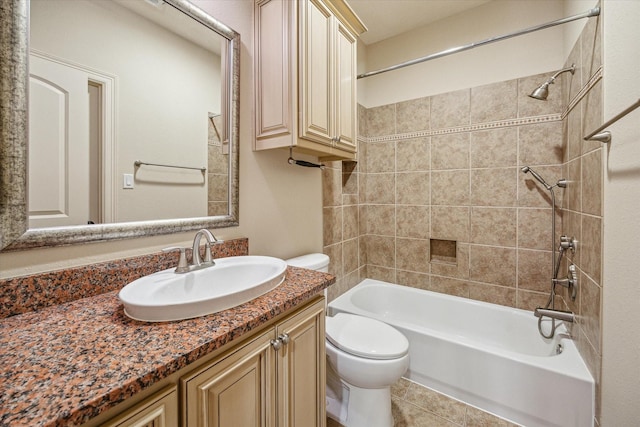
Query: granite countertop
{"type": "Point", "coordinates": [68, 363]}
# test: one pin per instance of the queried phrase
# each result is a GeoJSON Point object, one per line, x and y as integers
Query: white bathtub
{"type": "Point", "coordinates": [487, 355]}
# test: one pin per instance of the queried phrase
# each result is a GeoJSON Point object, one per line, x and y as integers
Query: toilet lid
{"type": "Point", "coordinates": [365, 337]}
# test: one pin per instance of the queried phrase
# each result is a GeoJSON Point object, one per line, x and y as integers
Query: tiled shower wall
{"type": "Point", "coordinates": [437, 199]}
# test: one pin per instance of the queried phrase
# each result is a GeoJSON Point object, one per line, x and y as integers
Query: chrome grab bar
{"type": "Point", "coordinates": [605, 137]}
{"type": "Point", "coordinates": [139, 163]}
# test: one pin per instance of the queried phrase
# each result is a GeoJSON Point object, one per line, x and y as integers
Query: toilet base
{"type": "Point", "coordinates": [353, 406]}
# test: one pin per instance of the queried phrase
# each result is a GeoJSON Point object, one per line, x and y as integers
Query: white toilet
{"type": "Point", "coordinates": [364, 357]}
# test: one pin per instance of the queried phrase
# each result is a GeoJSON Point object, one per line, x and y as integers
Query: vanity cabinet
{"type": "Point", "coordinates": [305, 70]}
{"type": "Point", "coordinates": [277, 378]}
{"type": "Point", "coordinates": [159, 410]}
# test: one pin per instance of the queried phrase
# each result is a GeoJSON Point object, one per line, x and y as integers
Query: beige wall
{"type": "Point", "coordinates": [280, 205]}
{"type": "Point", "coordinates": [621, 292]}
{"type": "Point", "coordinates": [517, 57]}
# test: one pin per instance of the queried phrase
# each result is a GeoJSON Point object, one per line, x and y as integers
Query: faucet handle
{"type": "Point", "coordinates": [208, 258]}
{"type": "Point", "coordinates": [182, 267]}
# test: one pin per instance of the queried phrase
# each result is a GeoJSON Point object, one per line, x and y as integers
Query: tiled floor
{"type": "Point", "coordinates": [416, 406]}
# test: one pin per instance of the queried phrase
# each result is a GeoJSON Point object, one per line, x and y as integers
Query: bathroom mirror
{"type": "Point", "coordinates": [162, 85]}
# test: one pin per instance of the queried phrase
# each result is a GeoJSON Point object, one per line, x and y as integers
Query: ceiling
{"type": "Point", "coordinates": [388, 18]}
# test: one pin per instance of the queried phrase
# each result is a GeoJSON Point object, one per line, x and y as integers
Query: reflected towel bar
{"type": "Point", "coordinates": [139, 163]}
{"type": "Point", "coordinates": [598, 135]}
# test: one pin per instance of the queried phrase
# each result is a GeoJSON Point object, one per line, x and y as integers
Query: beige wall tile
{"type": "Point", "coordinates": [363, 126]}
{"type": "Point", "coordinates": [450, 151]}
{"type": "Point", "coordinates": [331, 187]}
{"type": "Point", "coordinates": [573, 192]}
{"type": "Point", "coordinates": [491, 264]}
{"type": "Point", "coordinates": [529, 107]}
{"type": "Point", "coordinates": [332, 225]}
{"type": "Point", "coordinates": [494, 148]}
{"type": "Point", "coordinates": [412, 255]}
{"type": "Point", "coordinates": [494, 187]}
{"type": "Point", "coordinates": [591, 39]}
{"type": "Point", "coordinates": [532, 194]}
{"type": "Point", "coordinates": [450, 109]}
{"type": "Point", "coordinates": [450, 188]}
{"type": "Point", "coordinates": [590, 295]}
{"type": "Point", "coordinates": [412, 188]}
{"type": "Point", "coordinates": [540, 144]}
{"type": "Point", "coordinates": [534, 270]}
{"type": "Point", "coordinates": [413, 115]}
{"type": "Point", "coordinates": [493, 226]}
{"type": "Point", "coordinates": [493, 102]}
{"type": "Point", "coordinates": [413, 154]}
{"type": "Point", "coordinates": [350, 256]}
{"type": "Point", "coordinates": [571, 83]}
{"type": "Point", "coordinates": [590, 247]}
{"type": "Point", "coordinates": [413, 279]}
{"type": "Point", "coordinates": [350, 227]}
{"type": "Point", "coordinates": [592, 183]}
{"type": "Point", "coordinates": [528, 300]}
{"type": "Point", "coordinates": [534, 228]}
{"type": "Point", "coordinates": [459, 270]}
{"type": "Point", "coordinates": [574, 133]}
{"type": "Point", "coordinates": [334, 252]}
{"type": "Point", "coordinates": [385, 274]}
{"type": "Point", "coordinates": [450, 223]}
{"type": "Point", "coordinates": [494, 294]}
{"type": "Point", "coordinates": [349, 178]}
{"type": "Point", "coordinates": [381, 120]}
{"type": "Point", "coordinates": [381, 251]}
{"type": "Point", "coordinates": [381, 157]}
{"type": "Point", "coordinates": [447, 285]}
{"type": "Point", "coordinates": [380, 220]}
{"type": "Point", "coordinates": [572, 227]}
{"type": "Point", "coordinates": [413, 221]}
{"type": "Point", "coordinates": [380, 188]}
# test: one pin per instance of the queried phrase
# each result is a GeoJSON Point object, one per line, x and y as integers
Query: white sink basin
{"type": "Point", "coordinates": [166, 295]}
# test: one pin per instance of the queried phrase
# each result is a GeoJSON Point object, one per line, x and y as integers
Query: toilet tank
{"type": "Point", "coordinates": [318, 262]}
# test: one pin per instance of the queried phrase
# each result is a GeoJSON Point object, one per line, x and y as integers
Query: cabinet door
{"type": "Point", "coordinates": [316, 75]}
{"type": "Point", "coordinates": [301, 369]}
{"type": "Point", "coordinates": [160, 410]}
{"type": "Point", "coordinates": [236, 391]}
{"type": "Point", "coordinates": [346, 102]}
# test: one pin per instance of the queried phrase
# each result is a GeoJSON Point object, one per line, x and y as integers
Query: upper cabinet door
{"type": "Point", "coordinates": [346, 102]}
{"type": "Point", "coordinates": [317, 77]}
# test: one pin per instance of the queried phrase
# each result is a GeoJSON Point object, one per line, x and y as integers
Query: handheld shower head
{"type": "Point", "coordinates": [533, 173]}
{"type": "Point", "coordinates": [542, 92]}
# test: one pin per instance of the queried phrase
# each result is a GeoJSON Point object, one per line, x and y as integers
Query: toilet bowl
{"type": "Point", "coordinates": [364, 357]}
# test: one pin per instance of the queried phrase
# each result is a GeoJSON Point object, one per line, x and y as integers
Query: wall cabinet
{"type": "Point", "coordinates": [305, 70]}
{"type": "Point", "coordinates": [275, 379]}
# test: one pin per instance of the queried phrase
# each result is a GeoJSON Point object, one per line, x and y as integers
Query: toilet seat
{"type": "Point", "coordinates": [365, 337]}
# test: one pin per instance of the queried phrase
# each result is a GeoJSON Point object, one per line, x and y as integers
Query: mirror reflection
{"type": "Point", "coordinates": [126, 114]}
{"type": "Point", "coordinates": [164, 152]}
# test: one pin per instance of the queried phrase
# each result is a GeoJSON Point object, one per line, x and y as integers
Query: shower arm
{"type": "Point", "coordinates": [571, 69]}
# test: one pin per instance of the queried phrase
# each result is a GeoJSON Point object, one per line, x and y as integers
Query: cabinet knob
{"type": "Point", "coordinates": [284, 338]}
{"type": "Point", "coordinates": [276, 344]}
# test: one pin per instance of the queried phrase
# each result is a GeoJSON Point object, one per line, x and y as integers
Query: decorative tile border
{"type": "Point", "coordinates": [597, 76]}
{"type": "Point", "coordinates": [468, 128]}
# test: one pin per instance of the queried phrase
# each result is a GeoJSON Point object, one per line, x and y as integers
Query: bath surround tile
{"type": "Point", "coordinates": [450, 109]}
{"type": "Point", "coordinates": [494, 294]}
{"type": "Point", "coordinates": [412, 188]}
{"type": "Point", "coordinates": [493, 226]}
{"type": "Point", "coordinates": [540, 144]}
{"type": "Point", "coordinates": [534, 270]}
{"type": "Point", "coordinates": [494, 148]}
{"type": "Point", "coordinates": [450, 188]}
{"type": "Point", "coordinates": [412, 255]}
{"type": "Point", "coordinates": [450, 223]}
{"type": "Point", "coordinates": [381, 157]}
{"type": "Point", "coordinates": [534, 195]}
{"type": "Point", "coordinates": [493, 102]}
{"type": "Point", "coordinates": [413, 279]}
{"type": "Point", "coordinates": [450, 151]}
{"type": "Point", "coordinates": [413, 115]}
{"type": "Point", "coordinates": [381, 120]}
{"type": "Point", "coordinates": [413, 154]}
{"type": "Point", "coordinates": [413, 221]}
{"type": "Point", "coordinates": [491, 264]}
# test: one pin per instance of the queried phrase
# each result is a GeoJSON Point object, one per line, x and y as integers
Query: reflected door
{"type": "Point", "coordinates": [58, 144]}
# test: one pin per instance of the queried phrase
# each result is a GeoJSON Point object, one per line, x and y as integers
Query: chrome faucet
{"type": "Point", "coordinates": [566, 316]}
{"type": "Point", "coordinates": [196, 260]}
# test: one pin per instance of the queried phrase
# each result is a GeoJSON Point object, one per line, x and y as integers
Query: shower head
{"type": "Point", "coordinates": [536, 176]}
{"type": "Point", "coordinates": [542, 92]}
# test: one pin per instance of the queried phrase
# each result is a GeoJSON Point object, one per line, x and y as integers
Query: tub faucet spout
{"type": "Point", "coordinates": [566, 316]}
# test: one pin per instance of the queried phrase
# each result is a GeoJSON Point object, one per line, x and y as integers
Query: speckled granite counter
{"type": "Point", "coordinates": [68, 363]}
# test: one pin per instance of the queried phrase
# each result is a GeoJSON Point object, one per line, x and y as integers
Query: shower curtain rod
{"type": "Point", "coordinates": [588, 14]}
